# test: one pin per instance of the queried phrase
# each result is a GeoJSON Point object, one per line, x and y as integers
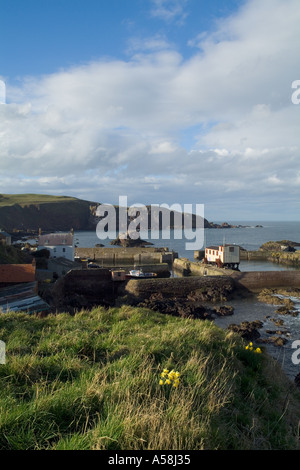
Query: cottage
{"type": "Point", "coordinates": [5, 238]}
{"type": "Point", "coordinates": [223, 255]}
{"type": "Point", "coordinates": [60, 245]}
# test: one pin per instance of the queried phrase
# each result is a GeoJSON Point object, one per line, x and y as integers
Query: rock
{"type": "Point", "coordinates": [275, 340]}
{"type": "Point", "coordinates": [177, 307]}
{"type": "Point", "coordinates": [286, 310]}
{"type": "Point", "coordinates": [129, 242]}
{"type": "Point", "coordinates": [224, 310]}
{"type": "Point", "coordinates": [248, 330]}
{"type": "Point", "coordinates": [277, 332]}
{"type": "Point", "coordinates": [278, 322]}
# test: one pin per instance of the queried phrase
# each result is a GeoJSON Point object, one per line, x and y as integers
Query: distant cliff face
{"type": "Point", "coordinates": [54, 213]}
{"type": "Point", "coordinates": [59, 215]}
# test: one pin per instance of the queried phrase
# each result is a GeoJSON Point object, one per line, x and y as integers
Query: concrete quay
{"type": "Point", "coordinates": [253, 281]}
{"type": "Point", "coordinates": [116, 256]}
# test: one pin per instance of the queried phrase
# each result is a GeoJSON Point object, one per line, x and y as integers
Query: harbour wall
{"type": "Point", "coordinates": [115, 256]}
{"type": "Point", "coordinates": [186, 267]}
{"type": "Point", "coordinates": [254, 281]}
{"type": "Point", "coordinates": [216, 288]}
{"type": "Point", "coordinates": [283, 257]}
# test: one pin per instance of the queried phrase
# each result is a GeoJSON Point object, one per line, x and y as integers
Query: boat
{"type": "Point", "coordinates": [139, 273]}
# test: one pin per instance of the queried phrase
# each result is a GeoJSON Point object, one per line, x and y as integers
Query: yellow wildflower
{"type": "Point", "coordinates": [258, 350]}
{"type": "Point", "coordinates": [161, 382]}
{"type": "Point", "coordinates": [168, 381]}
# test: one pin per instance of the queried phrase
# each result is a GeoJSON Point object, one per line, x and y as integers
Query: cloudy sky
{"type": "Point", "coordinates": [164, 101]}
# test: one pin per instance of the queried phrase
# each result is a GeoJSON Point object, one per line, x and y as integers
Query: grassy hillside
{"type": "Point", "coordinates": [92, 381]}
{"type": "Point", "coordinates": [33, 211]}
{"type": "Point", "coordinates": [28, 199]}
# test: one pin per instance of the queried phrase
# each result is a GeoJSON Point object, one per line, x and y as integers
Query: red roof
{"type": "Point", "coordinates": [16, 273]}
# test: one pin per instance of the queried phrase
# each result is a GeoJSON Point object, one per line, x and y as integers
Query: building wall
{"type": "Point", "coordinates": [60, 251]}
{"type": "Point", "coordinates": [227, 254]}
{"type": "Point", "coordinates": [231, 256]}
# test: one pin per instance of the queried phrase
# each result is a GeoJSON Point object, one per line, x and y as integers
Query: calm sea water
{"type": "Point", "coordinates": [250, 238]}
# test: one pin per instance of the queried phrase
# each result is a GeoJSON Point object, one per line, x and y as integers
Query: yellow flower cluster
{"type": "Point", "coordinates": [170, 377]}
{"type": "Point", "coordinates": [251, 348]}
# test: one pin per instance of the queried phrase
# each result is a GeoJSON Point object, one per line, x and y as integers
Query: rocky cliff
{"type": "Point", "coordinates": [31, 212]}
{"type": "Point", "coordinates": [49, 213]}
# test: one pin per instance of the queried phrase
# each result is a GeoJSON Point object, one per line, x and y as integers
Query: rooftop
{"type": "Point", "coordinates": [22, 297]}
{"type": "Point", "coordinates": [56, 239]}
{"type": "Point", "coordinates": [17, 273]}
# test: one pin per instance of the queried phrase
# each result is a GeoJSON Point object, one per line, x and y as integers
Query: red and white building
{"type": "Point", "coordinates": [223, 255]}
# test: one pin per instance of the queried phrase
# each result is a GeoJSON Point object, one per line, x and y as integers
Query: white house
{"type": "Point", "coordinates": [223, 255]}
{"type": "Point", "coordinates": [60, 245]}
{"type": "Point", "coordinates": [5, 238]}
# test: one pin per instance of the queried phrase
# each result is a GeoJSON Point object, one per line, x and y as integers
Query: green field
{"type": "Point", "coordinates": [92, 381]}
{"type": "Point", "coordinates": [28, 199]}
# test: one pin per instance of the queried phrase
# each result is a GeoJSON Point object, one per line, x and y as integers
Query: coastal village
{"type": "Point", "coordinates": [61, 276]}
{"type": "Point", "coordinates": [45, 275]}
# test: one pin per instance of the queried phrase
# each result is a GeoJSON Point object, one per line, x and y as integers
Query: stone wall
{"type": "Point", "coordinates": [83, 289]}
{"type": "Point", "coordinates": [199, 269]}
{"type": "Point", "coordinates": [177, 288]}
{"type": "Point", "coordinates": [256, 280]}
{"type": "Point", "coordinates": [117, 255]}
{"type": "Point", "coordinates": [274, 256]}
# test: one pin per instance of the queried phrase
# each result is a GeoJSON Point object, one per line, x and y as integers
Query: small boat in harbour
{"type": "Point", "coordinates": [139, 273]}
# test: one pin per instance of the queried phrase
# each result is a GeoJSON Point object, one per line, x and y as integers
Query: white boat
{"type": "Point", "coordinates": [139, 273]}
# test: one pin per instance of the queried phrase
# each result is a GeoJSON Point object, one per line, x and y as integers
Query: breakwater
{"type": "Point", "coordinates": [186, 267]}
{"type": "Point", "coordinates": [116, 256]}
{"type": "Point", "coordinates": [252, 281]}
{"type": "Point", "coordinates": [257, 280]}
{"type": "Point", "coordinates": [283, 257]}
{"type": "Point", "coordinates": [204, 288]}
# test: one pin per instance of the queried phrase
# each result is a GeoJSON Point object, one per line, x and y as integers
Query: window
{"type": "Point", "coordinates": [64, 250]}
{"type": "Point", "coordinates": [231, 249]}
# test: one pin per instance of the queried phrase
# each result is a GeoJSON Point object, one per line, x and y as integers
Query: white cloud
{"type": "Point", "coordinates": [113, 127]}
{"type": "Point", "coordinates": [2, 92]}
{"type": "Point", "coordinates": [170, 10]}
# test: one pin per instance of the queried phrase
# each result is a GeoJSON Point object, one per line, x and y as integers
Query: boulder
{"type": "Point", "coordinates": [248, 330]}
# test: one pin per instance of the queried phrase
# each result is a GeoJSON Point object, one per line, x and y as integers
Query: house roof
{"type": "Point", "coordinates": [64, 262]}
{"type": "Point", "coordinates": [217, 247]}
{"type": "Point", "coordinates": [22, 297]}
{"type": "Point", "coordinates": [17, 273]}
{"type": "Point", "coordinates": [56, 239]}
{"type": "Point", "coordinates": [4, 234]}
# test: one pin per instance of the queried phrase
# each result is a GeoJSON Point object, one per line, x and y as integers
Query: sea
{"type": "Point", "coordinates": [250, 237]}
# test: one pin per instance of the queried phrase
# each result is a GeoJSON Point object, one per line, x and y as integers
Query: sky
{"type": "Point", "coordinates": [162, 101]}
